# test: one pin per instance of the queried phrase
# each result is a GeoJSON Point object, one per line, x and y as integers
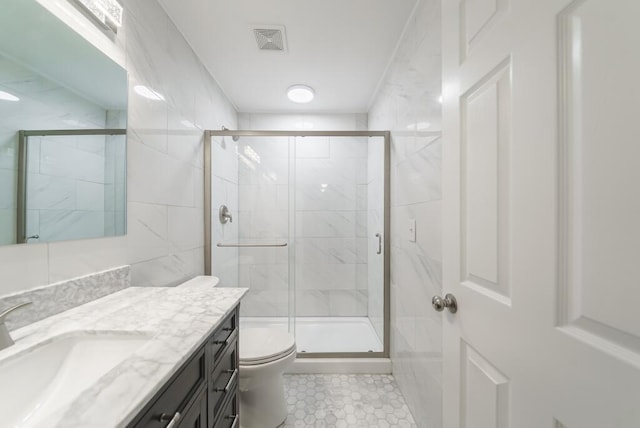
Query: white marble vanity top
{"type": "Point", "coordinates": [178, 320]}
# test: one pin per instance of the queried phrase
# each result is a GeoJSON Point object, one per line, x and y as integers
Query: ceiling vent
{"type": "Point", "coordinates": [270, 38]}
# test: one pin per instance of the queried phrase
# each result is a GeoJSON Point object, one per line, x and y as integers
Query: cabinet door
{"type": "Point", "coordinates": [196, 415]}
{"type": "Point", "coordinates": [176, 395]}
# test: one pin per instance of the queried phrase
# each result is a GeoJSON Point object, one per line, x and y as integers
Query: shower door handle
{"type": "Point", "coordinates": [379, 236]}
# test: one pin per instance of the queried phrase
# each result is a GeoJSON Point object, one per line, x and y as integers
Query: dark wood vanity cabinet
{"type": "Point", "coordinates": [204, 391]}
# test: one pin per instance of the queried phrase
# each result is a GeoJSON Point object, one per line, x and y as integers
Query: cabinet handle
{"type": "Point", "coordinates": [235, 420]}
{"type": "Point", "coordinates": [231, 380]}
{"type": "Point", "coordinates": [173, 421]}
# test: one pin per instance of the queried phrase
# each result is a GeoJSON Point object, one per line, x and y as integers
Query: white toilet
{"type": "Point", "coordinates": [265, 353]}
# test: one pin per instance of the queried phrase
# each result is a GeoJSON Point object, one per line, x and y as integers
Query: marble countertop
{"type": "Point", "coordinates": [178, 320]}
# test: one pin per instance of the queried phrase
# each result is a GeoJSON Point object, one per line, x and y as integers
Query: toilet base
{"type": "Point", "coordinates": [263, 406]}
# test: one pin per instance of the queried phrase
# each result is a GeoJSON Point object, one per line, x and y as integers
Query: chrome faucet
{"type": "Point", "coordinates": [5, 336]}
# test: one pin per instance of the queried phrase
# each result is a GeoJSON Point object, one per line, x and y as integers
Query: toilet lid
{"type": "Point", "coordinates": [262, 345]}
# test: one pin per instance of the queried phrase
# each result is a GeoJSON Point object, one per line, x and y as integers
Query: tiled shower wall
{"type": "Point", "coordinates": [329, 194]}
{"type": "Point", "coordinates": [165, 243]}
{"type": "Point", "coordinates": [408, 105]}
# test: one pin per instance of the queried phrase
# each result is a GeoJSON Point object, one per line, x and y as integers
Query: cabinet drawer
{"type": "Point", "coordinates": [223, 336]}
{"type": "Point", "coordinates": [230, 416]}
{"type": "Point", "coordinates": [175, 397]}
{"type": "Point", "coordinates": [224, 379]}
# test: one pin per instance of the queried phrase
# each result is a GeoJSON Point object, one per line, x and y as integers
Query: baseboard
{"type": "Point", "coordinates": [340, 366]}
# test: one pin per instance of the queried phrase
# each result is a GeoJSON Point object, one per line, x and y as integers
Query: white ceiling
{"type": "Point", "coordinates": [339, 47]}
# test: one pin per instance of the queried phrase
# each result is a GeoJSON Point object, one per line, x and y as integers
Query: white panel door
{"type": "Point", "coordinates": [542, 213]}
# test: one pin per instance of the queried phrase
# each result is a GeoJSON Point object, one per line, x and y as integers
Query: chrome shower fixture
{"type": "Point", "coordinates": [224, 215]}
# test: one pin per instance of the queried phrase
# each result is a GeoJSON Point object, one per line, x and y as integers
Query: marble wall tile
{"type": "Point", "coordinates": [340, 276]}
{"type": "Point", "coordinates": [362, 277]}
{"type": "Point", "coordinates": [265, 303]}
{"type": "Point", "coordinates": [331, 171]}
{"type": "Point", "coordinates": [263, 197]}
{"type": "Point", "coordinates": [312, 303]}
{"type": "Point", "coordinates": [265, 277]}
{"type": "Point", "coordinates": [61, 296]}
{"type": "Point", "coordinates": [23, 267]}
{"type": "Point", "coordinates": [313, 147]}
{"type": "Point", "coordinates": [328, 250]}
{"type": "Point", "coordinates": [263, 256]}
{"type": "Point", "coordinates": [150, 224]}
{"type": "Point", "coordinates": [303, 122]}
{"type": "Point", "coordinates": [407, 104]}
{"type": "Point", "coordinates": [348, 303]}
{"type": "Point", "coordinates": [57, 225]}
{"type": "Point", "coordinates": [269, 170]}
{"type": "Point", "coordinates": [325, 196]}
{"type": "Point", "coordinates": [90, 196]}
{"type": "Point", "coordinates": [263, 225]}
{"type": "Point", "coordinates": [325, 224]}
{"type": "Point", "coordinates": [271, 147]}
{"type": "Point", "coordinates": [349, 147]}
{"type": "Point", "coordinates": [224, 158]}
{"type": "Point", "coordinates": [181, 221]}
{"type": "Point", "coordinates": [68, 259]}
{"type": "Point", "coordinates": [47, 192]}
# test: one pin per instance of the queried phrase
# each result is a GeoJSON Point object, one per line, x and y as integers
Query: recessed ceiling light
{"type": "Point", "coordinates": [148, 93]}
{"type": "Point", "coordinates": [6, 96]}
{"type": "Point", "coordinates": [300, 93]}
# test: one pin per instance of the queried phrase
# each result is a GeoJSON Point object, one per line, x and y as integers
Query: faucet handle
{"type": "Point", "coordinates": [5, 336]}
{"type": "Point", "coordinates": [4, 314]}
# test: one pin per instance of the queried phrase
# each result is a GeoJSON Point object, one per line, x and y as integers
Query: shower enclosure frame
{"type": "Point", "coordinates": [208, 134]}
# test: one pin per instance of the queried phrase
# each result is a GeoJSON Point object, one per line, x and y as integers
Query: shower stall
{"type": "Point", "coordinates": [301, 219]}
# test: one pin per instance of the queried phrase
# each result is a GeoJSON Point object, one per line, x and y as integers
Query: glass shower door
{"type": "Point", "coordinates": [339, 251]}
{"type": "Point", "coordinates": [256, 242]}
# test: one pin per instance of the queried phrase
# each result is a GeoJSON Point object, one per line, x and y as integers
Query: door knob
{"type": "Point", "coordinates": [449, 301]}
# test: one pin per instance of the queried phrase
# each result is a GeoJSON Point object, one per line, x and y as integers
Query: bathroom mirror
{"type": "Point", "coordinates": [63, 110]}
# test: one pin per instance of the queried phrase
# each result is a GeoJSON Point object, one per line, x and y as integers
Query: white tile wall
{"type": "Point", "coordinates": [407, 104]}
{"type": "Point", "coordinates": [164, 165]}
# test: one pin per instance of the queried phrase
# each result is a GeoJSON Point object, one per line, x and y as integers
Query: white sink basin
{"type": "Point", "coordinates": [48, 376]}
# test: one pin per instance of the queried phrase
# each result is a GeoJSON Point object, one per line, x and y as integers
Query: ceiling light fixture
{"type": "Point", "coordinates": [300, 94]}
{"type": "Point", "coordinates": [6, 96]}
{"type": "Point", "coordinates": [148, 93]}
{"type": "Point", "coordinates": [108, 13]}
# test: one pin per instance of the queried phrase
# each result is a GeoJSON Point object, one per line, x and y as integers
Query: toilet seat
{"type": "Point", "coordinates": [264, 345]}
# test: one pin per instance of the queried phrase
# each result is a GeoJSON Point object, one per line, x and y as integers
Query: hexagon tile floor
{"type": "Point", "coordinates": [345, 401]}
